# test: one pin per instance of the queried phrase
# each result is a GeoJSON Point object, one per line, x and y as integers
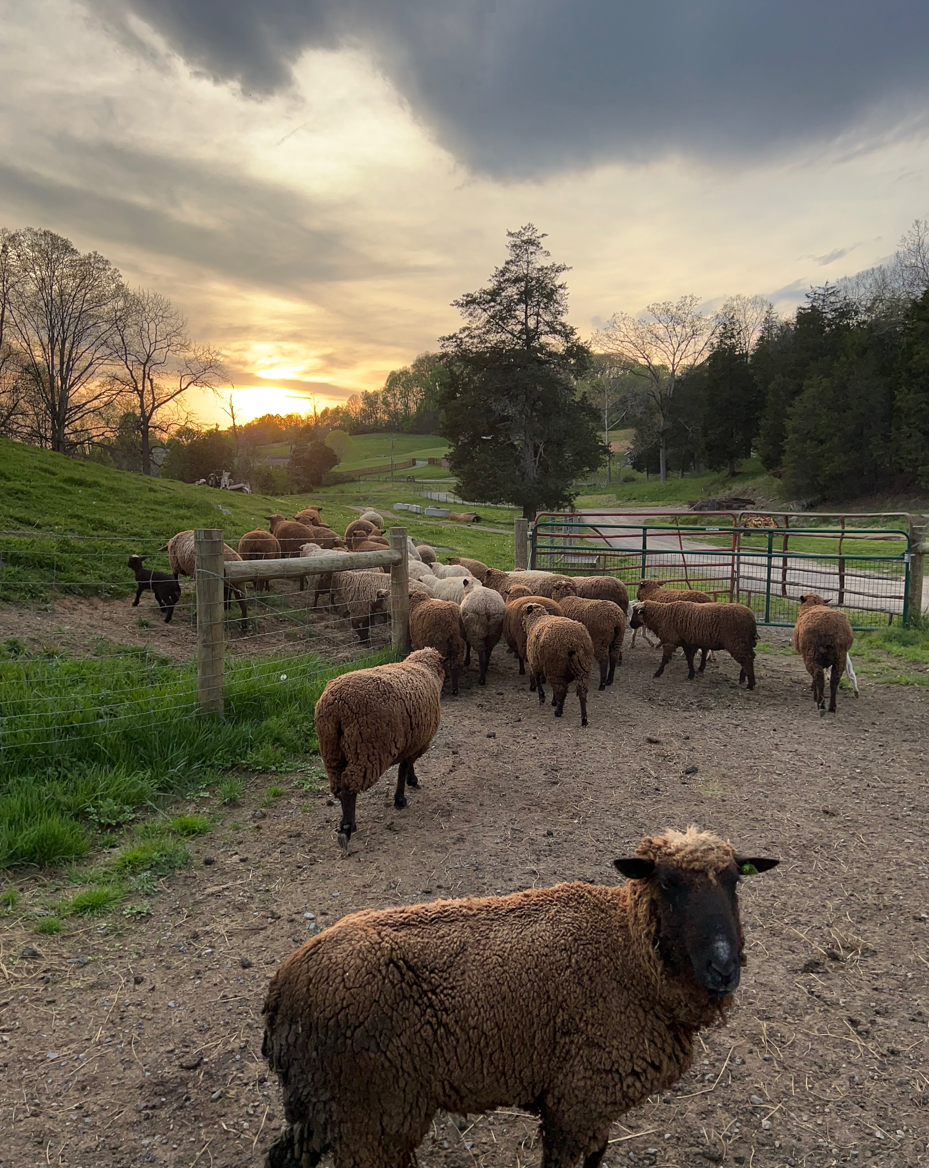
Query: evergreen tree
{"type": "Point", "coordinates": [309, 462]}
{"type": "Point", "coordinates": [519, 431]}
{"type": "Point", "coordinates": [911, 404]}
{"type": "Point", "coordinates": [731, 401]}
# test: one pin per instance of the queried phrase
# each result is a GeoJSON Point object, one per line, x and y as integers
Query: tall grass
{"type": "Point", "coordinates": [79, 738]}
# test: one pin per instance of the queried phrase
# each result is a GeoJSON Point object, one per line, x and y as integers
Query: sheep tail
{"type": "Point", "coordinates": [163, 549]}
{"type": "Point", "coordinates": [294, 1149]}
{"type": "Point", "coordinates": [849, 669]}
{"type": "Point", "coordinates": [574, 666]}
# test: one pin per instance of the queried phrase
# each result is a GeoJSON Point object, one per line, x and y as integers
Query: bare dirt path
{"type": "Point", "coordinates": [137, 1042]}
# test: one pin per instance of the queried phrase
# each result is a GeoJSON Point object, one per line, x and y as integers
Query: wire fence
{"type": "Point", "coordinates": [84, 669]}
{"type": "Point", "coordinates": [874, 573]}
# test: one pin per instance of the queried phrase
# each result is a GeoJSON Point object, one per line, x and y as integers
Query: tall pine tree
{"type": "Point", "coordinates": [519, 431]}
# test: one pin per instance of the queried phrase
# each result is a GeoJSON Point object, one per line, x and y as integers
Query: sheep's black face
{"type": "Point", "coordinates": [699, 931]}
{"type": "Point", "coordinates": [637, 620]}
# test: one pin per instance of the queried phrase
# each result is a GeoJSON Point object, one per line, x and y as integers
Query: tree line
{"type": "Point", "coordinates": [86, 362]}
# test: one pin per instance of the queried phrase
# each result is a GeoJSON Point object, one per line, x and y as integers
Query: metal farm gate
{"type": "Point", "coordinates": [766, 561]}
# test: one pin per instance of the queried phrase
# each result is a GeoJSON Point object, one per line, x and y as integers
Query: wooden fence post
{"type": "Point", "coordinates": [400, 594]}
{"type": "Point", "coordinates": [211, 639]}
{"type": "Point", "coordinates": [919, 545]}
{"type": "Point", "coordinates": [521, 543]}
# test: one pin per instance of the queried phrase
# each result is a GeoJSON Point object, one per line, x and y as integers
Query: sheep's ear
{"type": "Point", "coordinates": [635, 868]}
{"type": "Point", "coordinates": [754, 865]}
{"type": "Point", "coordinates": [803, 600]}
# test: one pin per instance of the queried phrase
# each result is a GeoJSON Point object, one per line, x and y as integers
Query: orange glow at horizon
{"type": "Point", "coordinates": [252, 401]}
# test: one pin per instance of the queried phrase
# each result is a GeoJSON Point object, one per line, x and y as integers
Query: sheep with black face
{"type": "Point", "coordinates": [575, 1002]}
{"type": "Point", "coordinates": [165, 587]}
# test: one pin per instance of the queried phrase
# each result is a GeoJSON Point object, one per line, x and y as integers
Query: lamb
{"type": "Point", "coordinates": [602, 588]}
{"type": "Point", "coordinates": [482, 613]}
{"type": "Point", "coordinates": [182, 561]}
{"type": "Point", "coordinates": [653, 590]}
{"type": "Point", "coordinates": [576, 1002]}
{"type": "Point", "coordinates": [373, 517]}
{"type": "Point", "coordinates": [560, 650]}
{"type": "Point", "coordinates": [165, 587]}
{"type": "Point", "coordinates": [259, 545]}
{"type": "Point", "coordinates": [823, 637]}
{"type": "Point", "coordinates": [513, 632]}
{"type": "Point", "coordinates": [476, 568]}
{"type": "Point", "coordinates": [451, 589]}
{"type": "Point", "coordinates": [373, 719]}
{"type": "Point", "coordinates": [426, 553]}
{"type": "Point", "coordinates": [606, 623]}
{"type": "Point", "coordinates": [436, 624]}
{"type": "Point", "coordinates": [701, 626]}
{"type": "Point", "coordinates": [449, 571]}
{"type": "Point", "coordinates": [363, 597]}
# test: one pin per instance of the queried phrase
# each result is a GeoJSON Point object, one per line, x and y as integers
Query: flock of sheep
{"type": "Point", "coordinates": [386, 1017]}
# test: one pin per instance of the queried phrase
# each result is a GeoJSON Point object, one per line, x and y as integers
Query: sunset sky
{"type": "Point", "coordinates": [313, 181]}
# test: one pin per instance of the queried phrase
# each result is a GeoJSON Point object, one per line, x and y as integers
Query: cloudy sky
{"type": "Point", "coordinates": [313, 181]}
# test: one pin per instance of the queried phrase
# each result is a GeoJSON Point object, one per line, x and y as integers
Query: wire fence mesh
{"type": "Point", "coordinates": [862, 570]}
{"type": "Point", "coordinates": [85, 669]}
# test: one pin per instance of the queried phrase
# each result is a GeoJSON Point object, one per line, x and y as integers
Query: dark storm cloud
{"type": "Point", "coordinates": [522, 87]}
{"type": "Point", "coordinates": [251, 232]}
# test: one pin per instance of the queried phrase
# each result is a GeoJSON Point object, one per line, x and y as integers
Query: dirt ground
{"type": "Point", "coordinates": [137, 1042]}
{"type": "Point", "coordinates": [288, 623]}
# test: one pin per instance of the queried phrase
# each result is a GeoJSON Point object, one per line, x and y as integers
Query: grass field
{"type": "Point", "coordinates": [631, 486]}
{"type": "Point", "coordinates": [374, 449]}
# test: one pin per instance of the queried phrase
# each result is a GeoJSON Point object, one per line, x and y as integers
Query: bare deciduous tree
{"type": "Point", "coordinates": [61, 311]}
{"type": "Point", "coordinates": [667, 340]}
{"type": "Point", "coordinates": [154, 363]}
{"type": "Point", "coordinates": [747, 315]}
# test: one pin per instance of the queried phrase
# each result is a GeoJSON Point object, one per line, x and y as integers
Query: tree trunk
{"type": "Point", "coordinates": [663, 458]}
{"type": "Point", "coordinates": [528, 512]}
{"type": "Point", "coordinates": [146, 448]}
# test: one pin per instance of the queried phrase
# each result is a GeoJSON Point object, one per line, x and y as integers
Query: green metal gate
{"type": "Point", "coordinates": [865, 571]}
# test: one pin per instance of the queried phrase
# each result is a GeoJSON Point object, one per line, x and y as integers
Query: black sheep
{"type": "Point", "coordinates": [166, 588]}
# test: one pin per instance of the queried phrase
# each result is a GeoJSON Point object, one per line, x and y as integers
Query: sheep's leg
{"type": "Point", "coordinates": [835, 676]}
{"type": "Point", "coordinates": [536, 683]}
{"type": "Point", "coordinates": [562, 1148]}
{"type": "Point", "coordinates": [467, 659]}
{"type": "Point", "coordinates": [522, 665]}
{"type": "Point", "coordinates": [559, 693]}
{"type": "Point", "coordinates": [747, 670]}
{"type": "Point", "coordinates": [399, 798]}
{"type": "Point", "coordinates": [582, 697]}
{"type": "Point", "coordinates": [703, 653]}
{"type": "Point", "coordinates": [603, 662]}
{"type": "Point", "coordinates": [595, 1158]}
{"type": "Point", "coordinates": [411, 779]}
{"type": "Point", "coordinates": [616, 657]}
{"type": "Point", "coordinates": [138, 593]}
{"type": "Point", "coordinates": [348, 825]}
{"type": "Point", "coordinates": [168, 609]}
{"type": "Point", "coordinates": [690, 652]}
{"type": "Point", "coordinates": [453, 669]}
{"type": "Point", "coordinates": [666, 655]}
{"type": "Point", "coordinates": [483, 660]}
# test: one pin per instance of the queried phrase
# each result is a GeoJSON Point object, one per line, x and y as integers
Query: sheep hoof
{"type": "Point", "coordinates": [399, 802]}
{"type": "Point", "coordinates": [344, 837]}
{"type": "Point", "coordinates": [602, 685]}
{"type": "Point", "coordinates": [822, 711]}
{"type": "Point", "coordinates": [558, 713]}
{"type": "Point", "coordinates": [584, 722]}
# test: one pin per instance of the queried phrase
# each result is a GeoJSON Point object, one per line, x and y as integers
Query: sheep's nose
{"type": "Point", "coordinates": [723, 974]}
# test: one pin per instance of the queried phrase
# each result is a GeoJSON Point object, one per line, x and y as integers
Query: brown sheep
{"type": "Point", "coordinates": [606, 623]}
{"type": "Point", "coordinates": [602, 588]}
{"type": "Point", "coordinates": [310, 516]}
{"type": "Point", "coordinates": [292, 536]}
{"type": "Point", "coordinates": [513, 631]}
{"type": "Point", "coordinates": [560, 650]}
{"type": "Point", "coordinates": [477, 568]}
{"type": "Point", "coordinates": [436, 624]}
{"type": "Point", "coordinates": [576, 1002]}
{"type": "Point", "coordinates": [363, 596]}
{"type": "Point", "coordinates": [364, 544]}
{"type": "Point", "coordinates": [362, 528]}
{"type": "Point", "coordinates": [823, 637]}
{"type": "Point", "coordinates": [426, 553]}
{"type": "Point", "coordinates": [653, 590]}
{"type": "Point", "coordinates": [372, 719]}
{"type": "Point", "coordinates": [259, 545]}
{"type": "Point", "coordinates": [701, 626]}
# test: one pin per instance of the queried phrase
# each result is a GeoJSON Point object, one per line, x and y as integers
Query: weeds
{"type": "Point", "coordinates": [92, 901]}
{"type": "Point", "coordinates": [48, 926]}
